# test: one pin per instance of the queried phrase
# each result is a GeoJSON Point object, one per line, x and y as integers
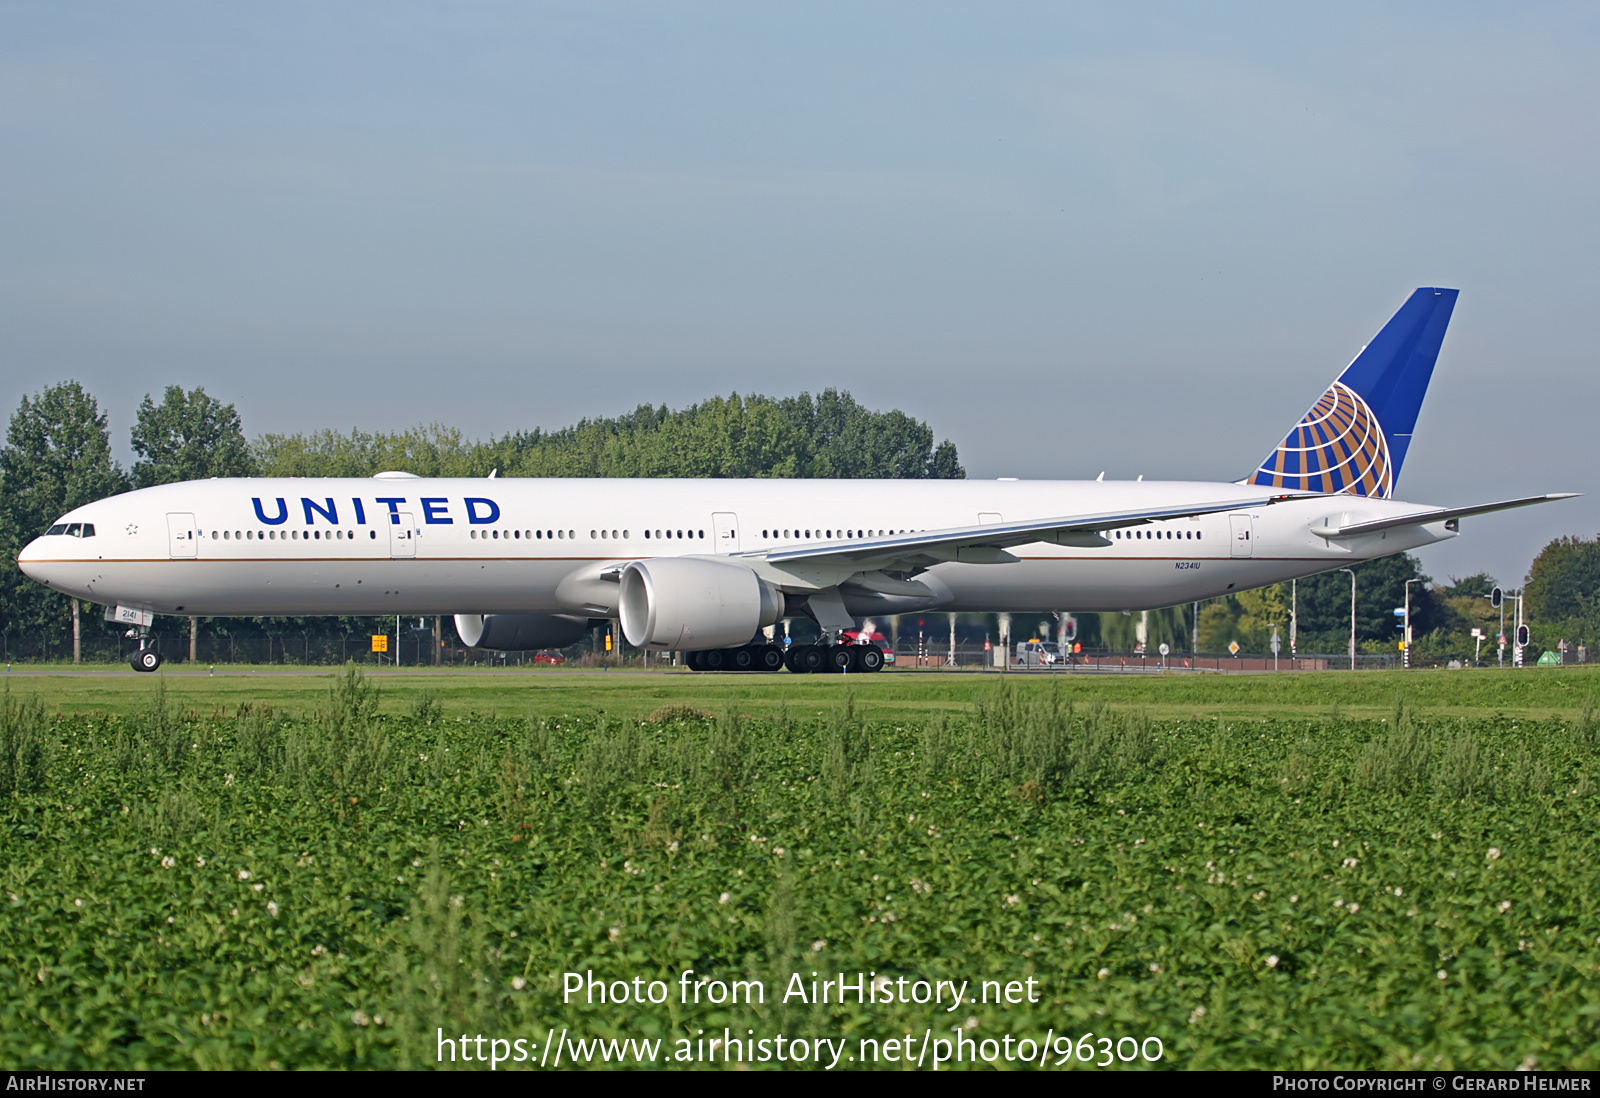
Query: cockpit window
{"type": "Point", "coordinates": [75, 530]}
{"type": "Point", "coordinates": [58, 528]}
{"type": "Point", "coordinates": [88, 529]}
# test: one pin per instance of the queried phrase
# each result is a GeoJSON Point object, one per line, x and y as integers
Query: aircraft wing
{"type": "Point", "coordinates": [1422, 518]}
{"type": "Point", "coordinates": [987, 544]}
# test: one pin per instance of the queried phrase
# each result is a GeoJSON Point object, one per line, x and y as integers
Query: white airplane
{"type": "Point", "coordinates": [704, 566]}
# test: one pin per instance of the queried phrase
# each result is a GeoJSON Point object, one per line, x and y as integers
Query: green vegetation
{"type": "Point", "coordinates": [828, 435]}
{"type": "Point", "coordinates": [1348, 880]}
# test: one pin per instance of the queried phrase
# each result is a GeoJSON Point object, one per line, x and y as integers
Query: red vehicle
{"type": "Point", "coordinates": [552, 658]}
{"type": "Point", "coordinates": [855, 636]}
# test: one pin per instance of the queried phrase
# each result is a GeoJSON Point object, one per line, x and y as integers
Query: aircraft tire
{"type": "Point", "coordinates": [842, 657]}
{"type": "Point", "coordinates": [769, 657]}
{"type": "Point", "coordinates": [714, 659]}
{"type": "Point", "coordinates": [691, 660]}
{"type": "Point", "coordinates": [869, 658]}
{"type": "Point", "coordinates": [146, 659]}
{"type": "Point", "coordinates": [743, 659]}
{"type": "Point", "coordinates": [807, 659]}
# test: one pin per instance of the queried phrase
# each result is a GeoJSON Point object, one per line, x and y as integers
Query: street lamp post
{"type": "Point", "coordinates": [1516, 637]}
{"type": "Point", "coordinates": [1352, 615]}
{"type": "Point", "coordinates": [1294, 616]}
{"type": "Point", "coordinates": [1405, 653]}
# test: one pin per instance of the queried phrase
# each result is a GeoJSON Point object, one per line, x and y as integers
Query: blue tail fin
{"type": "Point", "coordinates": [1354, 439]}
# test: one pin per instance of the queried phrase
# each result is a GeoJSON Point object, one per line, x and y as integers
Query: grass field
{"type": "Point", "coordinates": [278, 869]}
{"type": "Point", "coordinates": [1548, 693]}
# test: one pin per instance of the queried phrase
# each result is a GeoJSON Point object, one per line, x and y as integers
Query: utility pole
{"type": "Point", "coordinates": [77, 635]}
{"type": "Point", "coordinates": [1194, 643]}
{"type": "Point", "coordinates": [1352, 615]}
{"type": "Point", "coordinates": [194, 629]}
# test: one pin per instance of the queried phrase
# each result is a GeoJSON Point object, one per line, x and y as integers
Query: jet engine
{"type": "Point", "coordinates": [690, 605]}
{"type": "Point", "coordinates": [519, 632]}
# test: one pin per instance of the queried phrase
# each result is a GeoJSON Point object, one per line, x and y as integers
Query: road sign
{"type": "Point", "coordinates": [1233, 648]}
{"type": "Point", "coordinates": [1399, 611]}
{"type": "Point", "coordinates": [1277, 645]}
{"type": "Point", "coordinates": [380, 642]}
{"type": "Point", "coordinates": [1496, 597]}
{"type": "Point", "coordinates": [1164, 650]}
{"type": "Point", "coordinates": [1477, 633]}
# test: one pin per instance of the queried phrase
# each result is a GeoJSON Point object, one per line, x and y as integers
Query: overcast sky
{"type": "Point", "coordinates": [1073, 238]}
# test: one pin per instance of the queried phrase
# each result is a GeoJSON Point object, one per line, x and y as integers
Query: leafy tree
{"type": "Point", "coordinates": [736, 436]}
{"type": "Point", "coordinates": [1562, 596]}
{"type": "Point", "coordinates": [57, 456]}
{"type": "Point", "coordinates": [188, 436]}
{"type": "Point", "coordinates": [1324, 610]}
{"type": "Point", "coordinates": [431, 451]}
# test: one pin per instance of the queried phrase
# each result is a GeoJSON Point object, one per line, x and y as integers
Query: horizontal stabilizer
{"type": "Point", "coordinates": [1422, 518]}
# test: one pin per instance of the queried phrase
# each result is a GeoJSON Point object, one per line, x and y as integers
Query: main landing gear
{"type": "Point", "coordinates": [801, 659]}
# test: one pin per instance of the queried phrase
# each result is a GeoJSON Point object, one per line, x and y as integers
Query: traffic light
{"type": "Point", "coordinates": [1522, 636]}
{"type": "Point", "coordinates": [1496, 597]}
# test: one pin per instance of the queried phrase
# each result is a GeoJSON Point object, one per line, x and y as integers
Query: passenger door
{"type": "Point", "coordinates": [727, 527]}
{"type": "Point", "coordinates": [1241, 527]}
{"type": "Point", "coordinates": [402, 536]}
{"type": "Point", "coordinates": [182, 543]}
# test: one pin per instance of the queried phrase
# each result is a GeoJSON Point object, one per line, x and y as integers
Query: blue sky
{"type": "Point", "coordinates": [1071, 237]}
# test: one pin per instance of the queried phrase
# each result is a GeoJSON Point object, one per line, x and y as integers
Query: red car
{"type": "Point", "coordinates": [549, 657]}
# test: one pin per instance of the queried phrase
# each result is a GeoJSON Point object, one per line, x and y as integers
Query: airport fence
{"type": "Point", "coordinates": [415, 649]}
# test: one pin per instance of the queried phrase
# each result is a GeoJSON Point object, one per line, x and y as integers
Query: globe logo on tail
{"type": "Point", "coordinates": [1337, 447]}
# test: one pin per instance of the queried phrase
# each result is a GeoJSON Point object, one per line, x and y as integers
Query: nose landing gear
{"type": "Point", "coordinates": [148, 657]}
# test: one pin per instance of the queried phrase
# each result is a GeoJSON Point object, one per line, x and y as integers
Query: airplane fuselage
{"type": "Point", "coordinates": [381, 546]}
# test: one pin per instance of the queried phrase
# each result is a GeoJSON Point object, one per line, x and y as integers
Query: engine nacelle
{"type": "Point", "coordinates": [519, 632]}
{"type": "Point", "coordinates": [690, 605]}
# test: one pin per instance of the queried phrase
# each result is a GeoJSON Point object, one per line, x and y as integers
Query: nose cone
{"type": "Point", "coordinates": [37, 562]}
